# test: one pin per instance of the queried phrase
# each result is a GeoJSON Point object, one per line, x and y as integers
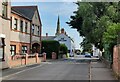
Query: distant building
{"type": "Point", "coordinates": [62, 37]}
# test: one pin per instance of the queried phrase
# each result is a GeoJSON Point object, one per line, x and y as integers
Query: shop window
{"type": "Point", "coordinates": [24, 49]}
{"type": "Point", "coordinates": [2, 47]}
{"type": "Point", "coordinates": [13, 50]}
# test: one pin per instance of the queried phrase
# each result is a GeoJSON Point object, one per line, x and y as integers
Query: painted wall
{"type": "Point", "coordinates": [5, 29]}
{"type": "Point", "coordinates": [68, 42]}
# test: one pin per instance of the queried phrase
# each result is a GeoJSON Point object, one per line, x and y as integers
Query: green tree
{"type": "Point", "coordinates": [92, 19]}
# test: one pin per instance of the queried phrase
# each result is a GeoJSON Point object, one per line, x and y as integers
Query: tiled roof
{"type": "Point", "coordinates": [48, 37]}
{"type": "Point", "coordinates": [25, 11]}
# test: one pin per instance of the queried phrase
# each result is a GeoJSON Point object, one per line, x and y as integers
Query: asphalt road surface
{"type": "Point", "coordinates": [56, 70]}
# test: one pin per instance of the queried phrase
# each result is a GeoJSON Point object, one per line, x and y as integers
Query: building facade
{"type": "Point", "coordinates": [20, 31]}
{"type": "Point", "coordinates": [25, 30]}
{"type": "Point", "coordinates": [5, 11]}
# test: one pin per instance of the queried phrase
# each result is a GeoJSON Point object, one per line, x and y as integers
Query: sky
{"type": "Point", "coordinates": [49, 12]}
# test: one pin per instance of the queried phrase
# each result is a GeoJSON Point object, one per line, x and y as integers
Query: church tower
{"type": "Point", "coordinates": [58, 27]}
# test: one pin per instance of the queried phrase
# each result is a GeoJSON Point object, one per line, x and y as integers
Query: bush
{"type": "Point", "coordinates": [63, 49]}
{"type": "Point", "coordinates": [50, 46]}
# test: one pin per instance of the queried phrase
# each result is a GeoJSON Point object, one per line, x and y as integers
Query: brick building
{"type": "Point", "coordinates": [25, 30]}
{"type": "Point", "coordinates": [20, 31]}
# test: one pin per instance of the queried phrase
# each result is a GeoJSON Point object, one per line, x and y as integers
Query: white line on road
{"type": "Point", "coordinates": [3, 78]}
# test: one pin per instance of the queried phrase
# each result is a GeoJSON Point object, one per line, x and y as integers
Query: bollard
{"type": "Point", "coordinates": [53, 55]}
{"type": "Point", "coordinates": [36, 57]}
{"type": "Point", "coordinates": [44, 57]}
{"type": "Point", "coordinates": [26, 59]}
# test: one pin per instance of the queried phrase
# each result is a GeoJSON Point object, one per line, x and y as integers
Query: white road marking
{"type": "Point", "coordinates": [3, 78]}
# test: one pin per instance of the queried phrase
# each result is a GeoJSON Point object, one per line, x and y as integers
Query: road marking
{"type": "Point", "coordinates": [90, 74]}
{"type": "Point", "coordinates": [3, 78]}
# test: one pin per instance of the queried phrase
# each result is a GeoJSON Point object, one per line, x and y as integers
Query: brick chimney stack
{"type": "Point", "coordinates": [46, 35]}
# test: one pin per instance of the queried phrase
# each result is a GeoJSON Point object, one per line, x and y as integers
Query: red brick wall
{"type": "Point", "coordinates": [24, 61]}
{"type": "Point", "coordinates": [116, 60]}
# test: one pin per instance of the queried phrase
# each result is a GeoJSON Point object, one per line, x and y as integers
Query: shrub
{"type": "Point", "coordinates": [63, 49]}
{"type": "Point", "coordinates": [50, 46]}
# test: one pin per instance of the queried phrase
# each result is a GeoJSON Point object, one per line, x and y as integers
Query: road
{"type": "Point", "coordinates": [70, 69]}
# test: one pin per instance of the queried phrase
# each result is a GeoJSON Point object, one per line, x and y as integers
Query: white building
{"type": "Point", "coordinates": [62, 38]}
{"type": "Point", "coordinates": [96, 52]}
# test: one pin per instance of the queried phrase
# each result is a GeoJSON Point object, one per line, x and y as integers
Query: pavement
{"type": "Point", "coordinates": [100, 72]}
{"type": "Point", "coordinates": [65, 69]}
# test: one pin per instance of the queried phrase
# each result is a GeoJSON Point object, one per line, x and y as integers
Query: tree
{"type": "Point", "coordinates": [92, 19]}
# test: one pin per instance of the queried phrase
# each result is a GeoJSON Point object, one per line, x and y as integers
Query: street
{"type": "Point", "coordinates": [63, 70]}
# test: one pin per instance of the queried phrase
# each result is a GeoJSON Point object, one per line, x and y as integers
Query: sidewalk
{"type": "Point", "coordinates": [100, 72]}
{"type": "Point", "coordinates": [10, 71]}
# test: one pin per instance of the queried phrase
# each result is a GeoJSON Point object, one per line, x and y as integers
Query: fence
{"type": "Point", "coordinates": [116, 60]}
{"type": "Point", "coordinates": [20, 60]}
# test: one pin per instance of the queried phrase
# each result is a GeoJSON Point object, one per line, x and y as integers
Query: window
{"type": "Point", "coordinates": [21, 26]}
{"type": "Point", "coordinates": [2, 46]}
{"type": "Point", "coordinates": [4, 8]}
{"type": "Point", "coordinates": [13, 49]}
{"type": "Point", "coordinates": [38, 30]}
{"type": "Point", "coordinates": [24, 49]}
{"type": "Point", "coordinates": [15, 25]}
{"type": "Point", "coordinates": [33, 29]}
{"type": "Point", "coordinates": [26, 26]}
{"type": "Point", "coordinates": [11, 22]}
{"type": "Point", "coordinates": [36, 16]}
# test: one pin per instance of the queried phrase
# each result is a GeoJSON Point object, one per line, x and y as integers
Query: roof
{"type": "Point", "coordinates": [25, 11]}
{"type": "Point", "coordinates": [48, 37]}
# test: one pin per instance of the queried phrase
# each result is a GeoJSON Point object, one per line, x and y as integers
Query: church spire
{"type": "Point", "coordinates": [58, 27]}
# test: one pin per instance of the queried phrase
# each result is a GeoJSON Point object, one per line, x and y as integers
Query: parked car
{"type": "Point", "coordinates": [87, 55]}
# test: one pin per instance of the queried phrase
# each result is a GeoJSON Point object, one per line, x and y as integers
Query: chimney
{"type": "Point", "coordinates": [46, 35]}
{"type": "Point", "coordinates": [62, 31]}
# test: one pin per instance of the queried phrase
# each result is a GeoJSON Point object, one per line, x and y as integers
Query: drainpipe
{"type": "Point", "coordinates": [40, 37]}
{"type": "Point", "coordinates": [30, 36]}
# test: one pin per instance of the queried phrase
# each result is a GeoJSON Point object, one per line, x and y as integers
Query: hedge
{"type": "Point", "coordinates": [63, 49]}
{"type": "Point", "coordinates": [49, 46]}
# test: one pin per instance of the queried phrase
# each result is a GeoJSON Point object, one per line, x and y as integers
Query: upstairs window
{"type": "Point", "coordinates": [38, 31]}
{"type": "Point", "coordinates": [4, 8]}
{"type": "Point", "coordinates": [26, 27]}
{"type": "Point", "coordinates": [21, 26]}
{"type": "Point", "coordinates": [33, 28]}
{"type": "Point", "coordinates": [11, 22]}
{"type": "Point", "coordinates": [15, 24]}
